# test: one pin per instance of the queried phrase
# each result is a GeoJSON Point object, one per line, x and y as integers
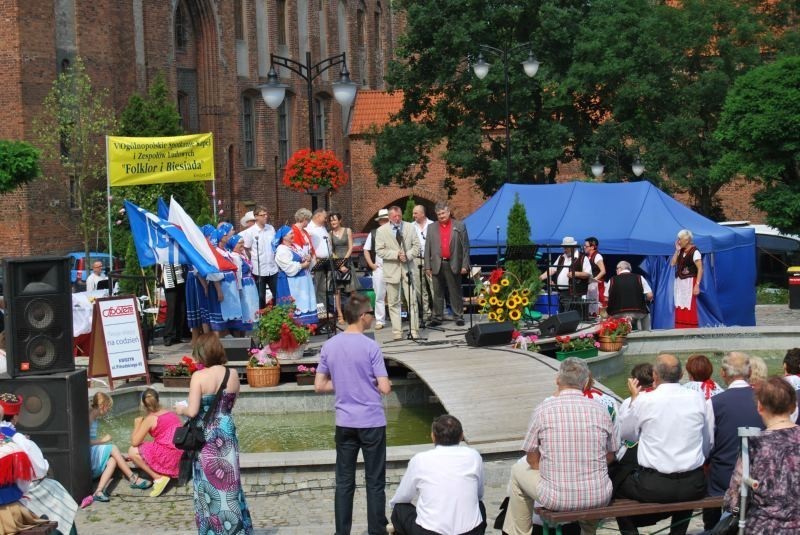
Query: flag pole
{"type": "Point", "coordinates": [108, 212]}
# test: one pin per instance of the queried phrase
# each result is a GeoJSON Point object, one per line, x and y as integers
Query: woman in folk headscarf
{"type": "Point", "coordinates": [294, 278]}
{"type": "Point", "coordinates": [224, 306]}
{"type": "Point", "coordinates": [248, 294]}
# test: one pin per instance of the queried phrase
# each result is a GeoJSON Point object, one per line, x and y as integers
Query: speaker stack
{"type": "Point", "coordinates": [55, 398]}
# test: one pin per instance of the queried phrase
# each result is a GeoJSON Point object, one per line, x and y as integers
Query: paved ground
{"type": "Point", "coordinates": [305, 511]}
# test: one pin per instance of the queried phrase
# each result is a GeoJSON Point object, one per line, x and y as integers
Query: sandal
{"type": "Point", "coordinates": [141, 483]}
{"type": "Point", "coordinates": [101, 496]}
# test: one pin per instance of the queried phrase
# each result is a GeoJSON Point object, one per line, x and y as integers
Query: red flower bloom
{"type": "Point", "coordinates": [311, 170]}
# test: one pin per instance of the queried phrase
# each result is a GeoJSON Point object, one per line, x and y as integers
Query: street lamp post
{"type": "Point", "coordinates": [481, 69]}
{"type": "Point", "coordinates": [598, 168]}
{"type": "Point", "coordinates": [344, 90]}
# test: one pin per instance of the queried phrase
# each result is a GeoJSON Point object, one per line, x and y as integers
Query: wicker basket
{"type": "Point", "coordinates": [260, 377]}
{"type": "Point", "coordinates": [608, 346]}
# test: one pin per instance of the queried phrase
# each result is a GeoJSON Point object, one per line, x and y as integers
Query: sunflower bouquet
{"type": "Point", "coordinates": [502, 297]}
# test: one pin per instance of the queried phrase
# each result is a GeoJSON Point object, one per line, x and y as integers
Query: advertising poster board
{"type": "Point", "coordinates": [116, 348]}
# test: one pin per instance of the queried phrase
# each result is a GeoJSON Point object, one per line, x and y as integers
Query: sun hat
{"type": "Point", "coordinates": [568, 241]}
{"type": "Point", "coordinates": [246, 218]}
{"type": "Point", "coordinates": [383, 213]}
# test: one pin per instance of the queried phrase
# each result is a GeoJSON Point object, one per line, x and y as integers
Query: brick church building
{"type": "Point", "coordinates": [214, 55]}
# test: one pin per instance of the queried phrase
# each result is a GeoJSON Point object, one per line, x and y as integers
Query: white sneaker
{"type": "Point", "coordinates": [378, 326]}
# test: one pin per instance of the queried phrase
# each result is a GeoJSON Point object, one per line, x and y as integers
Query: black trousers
{"type": "Point", "coordinates": [647, 485]}
{"type": "Point", "coordinates": [372, 443]}
{"type": "Point", "coordinates": [404, 520]}
{"type": "Point", "coordinates": [448, 281]}
{"type": "Point", "coordinates": [262, 281]}
{"type": "Point", "coordinates": [176, 312]}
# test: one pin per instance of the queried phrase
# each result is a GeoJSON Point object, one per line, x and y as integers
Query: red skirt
{"type": "Point", "coordinates": [687, 318]}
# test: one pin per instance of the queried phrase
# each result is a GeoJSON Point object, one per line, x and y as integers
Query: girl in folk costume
{"type": "Point", "coordinates": [42, 496]}
{"type": "Point", "coordinates": [197, 297]}
{"type": "Point", "coordinates": [248, 293]}
{"type": "Point", "coordinates": [17, 470]}
{"type": "Point", "coordinates": [595, 294]}
{"type": "Point", "coordinates": [688, 274]}
{"type": "Point", "coordinates": [294, 278]}
{"type": "Point", "coordinates": [224, 307]}
{"type": "Point", "coordinates": [699, 369]}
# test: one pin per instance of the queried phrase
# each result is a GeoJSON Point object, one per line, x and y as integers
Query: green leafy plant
{"type": "Point", "coordinates": [279, 327]}
{"type": "Point", "coordinates": [19, 163]}
{"type": "Point", "coordinates": [577, 343]}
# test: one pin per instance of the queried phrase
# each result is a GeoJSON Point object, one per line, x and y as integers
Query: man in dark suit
{"type": "Point", "coordinates": [446, 259]}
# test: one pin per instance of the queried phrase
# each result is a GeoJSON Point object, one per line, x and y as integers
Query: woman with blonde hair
{"type": "Point", "coordinates": [160, 458]}
{"type": "Point", "coordinates": [105, 456]}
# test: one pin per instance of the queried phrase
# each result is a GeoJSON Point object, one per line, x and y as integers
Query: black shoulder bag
{"type": "Point", "coordinates": [190, 437]}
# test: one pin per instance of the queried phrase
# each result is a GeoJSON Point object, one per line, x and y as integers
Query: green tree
{"type": "Point", "coordinates": [760, 132]}
{"type": "Point", "coordinates": [408, 211]}
{"type": "Point", "coordinates": [446, 108]}
{"type": "Point", "coordinates": [153, 115]}
{"type": "Point", "coordinates": [70, 130]}
{"type": "Point", "coordinates": [518, 233]}
{"type": "Point", "coordinates": [652, 83]}
{"type": "Point", "coordinates": [19, 163]}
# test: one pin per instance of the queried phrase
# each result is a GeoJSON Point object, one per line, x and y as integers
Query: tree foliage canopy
{"type": "Point", "coordinates": [19, 163]}
{"type": "Point", "coordinates": [760, 132]}
{"type": "Point", "coordinates": [619, 79]}
{"type": "Point", "coordinates": [70, 130]}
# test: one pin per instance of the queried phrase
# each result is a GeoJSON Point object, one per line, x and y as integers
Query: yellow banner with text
{"type": "Point", "coordinates": [137, 161]}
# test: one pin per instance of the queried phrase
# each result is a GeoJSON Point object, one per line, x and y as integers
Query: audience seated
{"type": "Point", "coordinates": [447, 484]}
{"type": "Point", "coordinates": [699, 369]}
{"type": "Point", "coordinates": [563, 428]}
{"type": "Point", "coordinates": [774, 506]}
{"type": "Point", "coordinates": [626, 454]}
{"type": "Point", "coordinates": [730, 410]}
{"type": "Point", "coordinates": [674, 430]}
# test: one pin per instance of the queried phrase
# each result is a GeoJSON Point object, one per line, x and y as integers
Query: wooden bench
{"type": "Point", "coordinates": [620, 507]}
{"type": "Point", "coordinates": [42, 529]}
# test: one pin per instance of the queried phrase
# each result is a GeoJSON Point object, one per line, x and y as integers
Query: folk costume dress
{"type": "Point", "coordinates": [248, 292]}
{"type": "Point", "coordinates": [294, 282]}
{"type": "Point", "coordinates": [15, 469]}
{"type": "Point", "coordinates": [225, 314]}
{"type": "Point", "coordinates": [685, 278]}
{"type": "Point", "coordinates": [708, 388]}
{"type": "Point", "coordinates": [219, 502]}
{"type": "Point", "coordinates": [196, 296]}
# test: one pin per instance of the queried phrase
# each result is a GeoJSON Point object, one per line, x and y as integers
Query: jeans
{"type": "Point", "coordinates": [372, 443]}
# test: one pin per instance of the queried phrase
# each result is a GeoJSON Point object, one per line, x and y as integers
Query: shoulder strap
{"type": "Point", "coordinates": [213, 408]}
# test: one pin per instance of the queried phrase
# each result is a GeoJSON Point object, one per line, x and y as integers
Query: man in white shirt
{"type": "Point", "coordinates": [422, 283]}
{"type": "Point", "coordinates": [95, 277]}
{"type": "Point", "coordinates": [320, 241]}
{"type": "Point", "coordinates": [447, 483]}
{"type": "Point", "coordinates": [375, 264]}
{"type": "Point", "coordinates": [258, 244]}
{"type": "Point", "coordinates": [572, 272]}
{"type": "Point", "coordinates": [675, 429]}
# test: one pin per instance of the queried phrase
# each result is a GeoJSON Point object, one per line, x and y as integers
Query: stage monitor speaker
{"type": "Point", "coordinates": [55, 414]}
{"type": "Point", "coordinates": [236, 349]}
{"type": "Point", "coordinates": [490, 334]}
{"type": "Point", "coordinates": [39, 322]}
{"type": "Point", "coordinates": [566, 322]}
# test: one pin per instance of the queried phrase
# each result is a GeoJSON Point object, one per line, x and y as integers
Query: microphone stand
{"type": "Point", "coordinates": [330, 269]}
{"type": "Point", "coordinates": [409, 277]}
{"type": "Point", "coordinates": [262, 293]}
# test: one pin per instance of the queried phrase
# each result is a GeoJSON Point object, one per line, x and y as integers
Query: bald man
{"type": "Point", "coordinates": [674, 428]}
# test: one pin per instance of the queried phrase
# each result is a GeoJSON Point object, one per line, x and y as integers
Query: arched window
{"type": "Point", "coordinates": [341, 26]}
{"type": "Point", "coordinates": [284, 122]}
{"type": "Point", "coordinates": [378, 48]}
{"type": "Point", "coordinates": [320, 121]}
{"type": "Point", "coordinates": [280, 19]}
{"type": "Point", "coordinates": [248, 132]}
{"type": "Point", "coordinates": [180, 28]}
{"type": "Point", "coordinates": [184, 111]}
{"type": "Point", "coordinates": [361, 45]}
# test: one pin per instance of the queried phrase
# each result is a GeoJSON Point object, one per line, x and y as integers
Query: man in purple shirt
{"type": "Point", "coordinates": [351, 366]}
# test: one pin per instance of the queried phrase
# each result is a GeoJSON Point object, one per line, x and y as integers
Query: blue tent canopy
{"type": "Point", "coordinates": [634, 219]}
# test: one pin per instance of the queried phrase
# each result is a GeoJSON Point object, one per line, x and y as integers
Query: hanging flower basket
{"type": "Point", "coordinates": [314, 172]}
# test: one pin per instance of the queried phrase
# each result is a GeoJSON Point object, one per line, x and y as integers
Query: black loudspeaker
{"type": "Point", "coordinates": [236, 349]}
{"type": "Point", "coordinates": [566, 322]}
{"type": "Point", "coordinates": [490, 334]}
{"type": "Point", "coordinates": [55, 414]}
{"type": "Point", "coordinates": [39, 322]}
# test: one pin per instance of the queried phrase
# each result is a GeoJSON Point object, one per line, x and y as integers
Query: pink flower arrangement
{"type": "Point", "coordinates": [262, 358]}
{"type": "Point", "coordinates": [306, 370]}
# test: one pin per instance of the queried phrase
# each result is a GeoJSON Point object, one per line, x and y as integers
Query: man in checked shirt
{"type": "Point", "coordinates": [569, 444]}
